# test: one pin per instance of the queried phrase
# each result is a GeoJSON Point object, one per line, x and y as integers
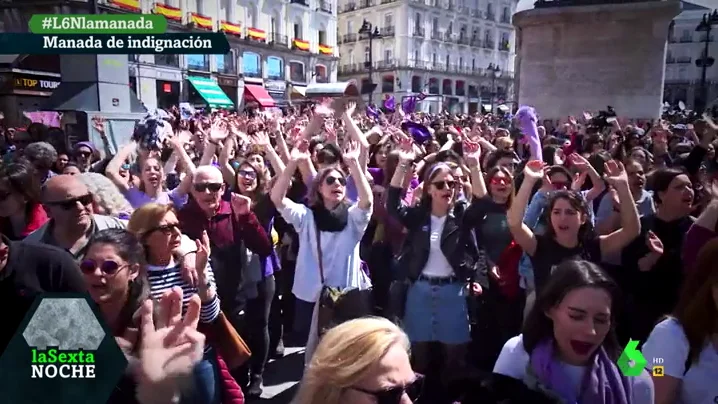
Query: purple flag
{"type": "Point", "coordinates": [390, 104]}
{"type": "Point", "coordinates": [408, 104]}
{"type": "Point", "coordinates": [417, 131]}
{"type": "Point", "coordinates": [372, 112]}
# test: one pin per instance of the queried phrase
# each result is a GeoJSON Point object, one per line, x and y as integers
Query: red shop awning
{"type": "Point", "coordinates": [253, 92]}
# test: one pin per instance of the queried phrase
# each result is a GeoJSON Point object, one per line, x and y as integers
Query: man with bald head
{"type": "Point", "coordinates": [68, 203]}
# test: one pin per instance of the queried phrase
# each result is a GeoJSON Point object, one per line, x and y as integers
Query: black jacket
{"type": "Point", "coordinates": [457, 243]}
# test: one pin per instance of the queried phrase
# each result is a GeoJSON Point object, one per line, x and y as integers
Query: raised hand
{"type": "Point", "coordinates": [615, 173]}
{"type": "Point", "coordinates": [219, 131]}
{"type": "Point", "coordinates": [99, 123]}
{"type": "Point", "coordinates": [472, 153]}
{"type": "Point", "coordinates": [261, 139]}
{"type": "Point", "coordinates": [534, 169]}
{"type": "Point", "coordinates": [203, 252]}
{"type": "Point", "coordinates": [300, 152]}
{"type": "Point", "coordinates": [351, 107]}
{"type": "Point", "coordinates": [579, 162]}
{"type": "Point", "coordinates": [240, 204]}
{"type": "Point", "coordinates": [351, 153]}
{"type": "Point", "coordinates": [323, 110]}
{"type": "Point", "coordinates": [654, 243]}
{"type": "Point", "coordinates": [170, 346]}
{"type": "Point", "coordinates": [406, 150]}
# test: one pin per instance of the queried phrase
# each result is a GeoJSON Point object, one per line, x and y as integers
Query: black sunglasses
{"type": "Point", "coordinates": [330, 180]}
{"type": "Point", "coordinates": [443, 184]}
{"type": "Point", "coordinates": [251, 174]}
{"type": "Point", "coordinates": [393, 395]}
{"type": "Point", "coordinates": [211, 186]}
{"type": "Point", "coordinates": [71, 203]}
{"type": "Point", "coordinates": [108, 267]}
{"type": "Point", "coordinates": [165, 228]}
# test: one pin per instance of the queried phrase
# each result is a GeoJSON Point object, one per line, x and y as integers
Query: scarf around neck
{"type": "Point", "coordinates": [602, 384]}
{"type": "Point", "coordinates": [334, 220]}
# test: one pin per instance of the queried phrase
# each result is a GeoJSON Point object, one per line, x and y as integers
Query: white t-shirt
{"type": "Point", "coordinates": [668, 343]}
{"type": "Point", "coordinates": [437, 265]}
{"type": "Point", "coordinates": [513, 361]}
{"type": "Point", "coordinates": [340, 252]}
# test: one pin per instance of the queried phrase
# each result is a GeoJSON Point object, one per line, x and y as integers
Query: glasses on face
{"type": "Point", "coordinates": [393, 395]}
{"type": "Point", "coordinates": [71, 203]}
{"type": "Point", "coordinates": [500, 181]}
{"type": "Point", "coordinates": [248, 174]}
{"type": "Point", "coordinates": [211, 186]}
{"type": "Point", "coordinates": [444, 184]}
{"type": "Point", "coordinates": [167, 229]}
{"type": "Point", "coordinates": [107, 267]}
{"type": "Point", "coordinates": [330, 180]}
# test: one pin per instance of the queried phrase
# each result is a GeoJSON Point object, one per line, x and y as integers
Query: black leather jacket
{"type": "Point", "coordinates": [457, 244]}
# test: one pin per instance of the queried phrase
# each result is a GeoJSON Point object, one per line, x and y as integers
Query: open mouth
{"type": "Point", "coordinates": [581, 347]}
{"type": "Point", "coordinates": [563, 228]}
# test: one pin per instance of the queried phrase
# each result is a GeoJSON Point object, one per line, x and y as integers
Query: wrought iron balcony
{"type": "Point", "coordinates": [463, 40]}
{"type": "Point", "coordinates": [419, 32]}
{"type": "Point", "coordinates": [489, 44]}
{"type": "Point", "coordinates": [448, 36]}
{"type": "Point", "coordinates": [475, 42]}
{"type": "Point", "coordinates": [278, 39]}
{"type": "Point", "coordinates": [436, 35]}
{"type": "Point", "coordinates": [348, 7]}
{"type": "Point", "coordinates": [366, 4]}
{"type": "Point", "coordinates": [348, 38]}
{"type": "Point", "coordinates": [387, 31]}
{"type": "Point", "coordinates": [475, 12]}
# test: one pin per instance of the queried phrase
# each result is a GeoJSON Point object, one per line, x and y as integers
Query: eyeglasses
{"type": "Point", "coordinates": [211, 186]}
{"type": "Point", "coordinates": [165, 228]}
{"type": "Point", "coordinates": [249, 174]}
{"type": "Point", "coordinates": [330, 180]}
{"type": "Point", "coordinates": [443, 184]}
{"type": "Point", "coordinates": [393, 395]}
{"type": "Point", "coordinates": [107, 267]}
{"type": "Point", "coordinates": [500, 181]}
{"type": "Point", "coordinates": [71, 203]}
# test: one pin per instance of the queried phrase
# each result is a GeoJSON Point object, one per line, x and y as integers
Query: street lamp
{"type": "Point", "coordinates": [495, 72]}
{"type": "Point", "coordinates": [371, 32]}
{"type": "Point", "coordinates": [706, 25]}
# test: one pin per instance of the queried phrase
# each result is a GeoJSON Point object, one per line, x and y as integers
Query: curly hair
{"type": "Point", "coordinates": [106, 194]}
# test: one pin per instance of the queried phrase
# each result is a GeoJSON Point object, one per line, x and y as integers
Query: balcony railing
{"type": "Point", "coordinates": [325, 6]}
{"type": "Point", "coordinates": [387, 31]}
{"type": "Point", "coordinates": [670, 60]}
{"type": "Point", "coordinates": [300, 2]}
{"type": "Point", "coordinates": [366, 4]}
{"type": "Point", "coordinates": [347, 38]}
{"type": "Point", "coordinates": [475, 42]}
{"type": "Point", "coordinates": [463, 10]}
{"type": "Point", "coordinates": [489, 44]}
{"type": "Point", "coordinates": [436, 35]}
{"type": "Point", "coordinates": [385, 64]}
{"type": "Point", "coordinates": [253, 74]}
{"type": "Point", "coordinates": [279, 39]}
{"type": "Point", "coordinates": [419, 32]}
{"type": "Point", "coordinates": [448, 36]}
{"type": "Point", "coordinates": [348, 7]}
{"type": "Point", "coordinates": [463, 40]}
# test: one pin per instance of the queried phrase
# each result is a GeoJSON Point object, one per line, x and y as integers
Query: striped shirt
{"type": "Point", "coordinates": [162, 279]}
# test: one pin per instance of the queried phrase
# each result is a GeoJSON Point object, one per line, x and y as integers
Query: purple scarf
{"type": "Point", "coordinates": [602, 384]}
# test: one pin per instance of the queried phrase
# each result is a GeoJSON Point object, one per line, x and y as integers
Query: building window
{"type": "Point", "coordinates": [225, 63]}
{"type": "Point", "coordinates": [434, 59]}
{"type": "Point", "coordinates": [273, 26]}
{"type": "Point", "coordinates": [416, 84]}
{"type": "Point", "coordinates": [448, 60]}
{"type": "Point", "coordinates": [473, 64]}
{"type": "Point", "coordinates": [251, 16]}
{"type": "Point", "coordinates": [366, 54]}
{"type": "Point", "coordinates": [435, 25]}
{"type": "Point", "coordinates": [388, 20]}
{"type": "Point", "coordinates": [297, 30]}
{"type": "Point", "coordinates": [350, 27]}
{"type": "Point", "coordinates": [387, 84]}
{"type": "Point", "coordinates": [275, 68]}
{"type": "Point", "coordinates": [201, 7]}
{"type": "Point", "coordinates": [505, 17]}
{"type": "Point", "coordinates": [320, 72]}
{"type": "Point", "coordinates": [227, 11]}
{"type": "Point", "coordinates": [322, 37]}
{"type": "Point", "coordinates": [460, 88]}
{"type": "Point", "coordinates": [417, 23]}
{"type": "Point", "coordinates": [388, 55]}
{"type": "Point", "coordinates": [198, 62]}
{"type": "Point", "coordinates": [446, 87]}
{"type": "Point", "coordinates": [433, 86]}
{"type": "Point", "coordinates": [251, 65]}
{"type": "Point", "coordinates": [473, 92]}
{"type": "Point", "coordinates": [167, 60]}
{"type": "Point", "coordinates": [417, 56]}
{"type": "Point", "coordinates": [296, 72]}
{"type": "Point", "coordinates": [461, 62]}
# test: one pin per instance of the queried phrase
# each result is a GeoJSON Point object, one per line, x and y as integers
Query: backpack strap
{"type": "Point", "coordinates": [319, 251]}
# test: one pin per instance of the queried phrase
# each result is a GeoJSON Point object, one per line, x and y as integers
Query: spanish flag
{"type": "Point", "coordinates": [171, 13]}
{"type": "Point", "coordinates": [255, 33]}
{"type": "Point", "coordinates": [301, 44]}
{"type": "Point", "coordinates": [326, 49]}
{"type": "Point", "coordinates": [129, 5]}
{"type": "Point", "coordinates": [230, 28]}
{"type": "Point", "coordinates": [201, 21]}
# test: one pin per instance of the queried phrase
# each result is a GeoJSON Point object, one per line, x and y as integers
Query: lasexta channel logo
{"type": "Point", "coordinates": [631, 362]}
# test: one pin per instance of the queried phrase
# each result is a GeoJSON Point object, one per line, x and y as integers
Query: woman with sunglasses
{"type": "Point", "coordinates": [363, 361]}
{"type": "Point", "coordinates": [438, 266]}
{"type": "Point", "coordinates": [152, 176]}
{"type": "Point", "coordinates": [569, 232]}
{"type": "Point", "coordinates": [157, 226]}
{"type": "Point", "coordinates": [330, 229]}
{"type": "Point", "coordinates": [112, 270]}
{"type": "Point", "coordinates": [501, 310]}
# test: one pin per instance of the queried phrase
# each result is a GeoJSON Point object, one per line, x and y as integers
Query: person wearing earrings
{"type": "Point", "coordinates": [438, 265]}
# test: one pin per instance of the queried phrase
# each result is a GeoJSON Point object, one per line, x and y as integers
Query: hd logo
{"type": "Point", "coordinates": [62, 353]}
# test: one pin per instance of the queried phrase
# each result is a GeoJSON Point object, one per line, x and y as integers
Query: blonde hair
{"type": "Point", "coordinates": [345, 355]}
{"type": "Point", "coordinates": [147, 218]}
{"type": "Point", "coordinates": [106, 194]}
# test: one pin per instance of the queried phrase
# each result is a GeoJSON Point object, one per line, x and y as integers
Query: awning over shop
{"type": "Point", "coordinates": [280, 99]}
{"type": "Point", "coordinates": [258, 94]}
{"type": "Point", "coordinates": [210, 91]}
{"type": "Point", "coordinates": [299, 92]}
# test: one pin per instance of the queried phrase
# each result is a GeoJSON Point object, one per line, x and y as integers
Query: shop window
{"type": "Point", "coordinates": [387, 84]}
{"type": "Point", "coordinates": [226, 63]}
{"type": "Point", "coordinates": [198, 62]}
{"type": "Point", "coordinates": [296, 72]}
{"type": "Point", "coordinates": [275, 68]}
{"type": "Point", "coordinates": [252, 65]}
{"type": "Point", "coordinates": [416, 84]}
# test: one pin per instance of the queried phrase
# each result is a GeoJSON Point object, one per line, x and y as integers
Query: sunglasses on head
{"type": "Point", "coordinates": [211, 186]}
{"type": "Point", "coordinates": [250, 174]}
{"type": "Point", "coordinates": [108, 267]}
{"type": "Point", "coordinates": [393, 395]}
{"type": "Point", "coordinates": [71, 203]}
{"type": "Point", "coordinates": [443, 184]}
{"type": "Point", "coordinates": [500, 181]}
{"type": "Point", "coordinates": [330, 180]}
{"type": "Point", "coordinates": [165, 228]}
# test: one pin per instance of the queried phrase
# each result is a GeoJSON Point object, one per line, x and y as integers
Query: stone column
{"type": "Point", "coordinates": [572, 59]}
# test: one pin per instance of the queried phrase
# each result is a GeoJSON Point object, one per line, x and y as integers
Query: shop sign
{"type": "Point", "coordinates": [226, 82]}
{"type": "Point", "coordinates": [274, 86]}
{"type": "Point", "coordinates": [35, 83]}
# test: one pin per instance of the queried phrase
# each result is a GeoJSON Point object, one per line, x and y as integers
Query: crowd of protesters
{"type": "Point", "coordinates": [418, 257]}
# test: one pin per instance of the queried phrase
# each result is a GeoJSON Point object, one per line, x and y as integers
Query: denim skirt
{"type": "Point", "coordinates": [437, 313]}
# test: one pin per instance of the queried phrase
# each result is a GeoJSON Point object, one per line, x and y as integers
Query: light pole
{"type": "Point", "coordinates": [706, 25]}
{"type": "Point", "coordinates": [371, 32]}
{"type": "Point", "coordinates": [495, 71]}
